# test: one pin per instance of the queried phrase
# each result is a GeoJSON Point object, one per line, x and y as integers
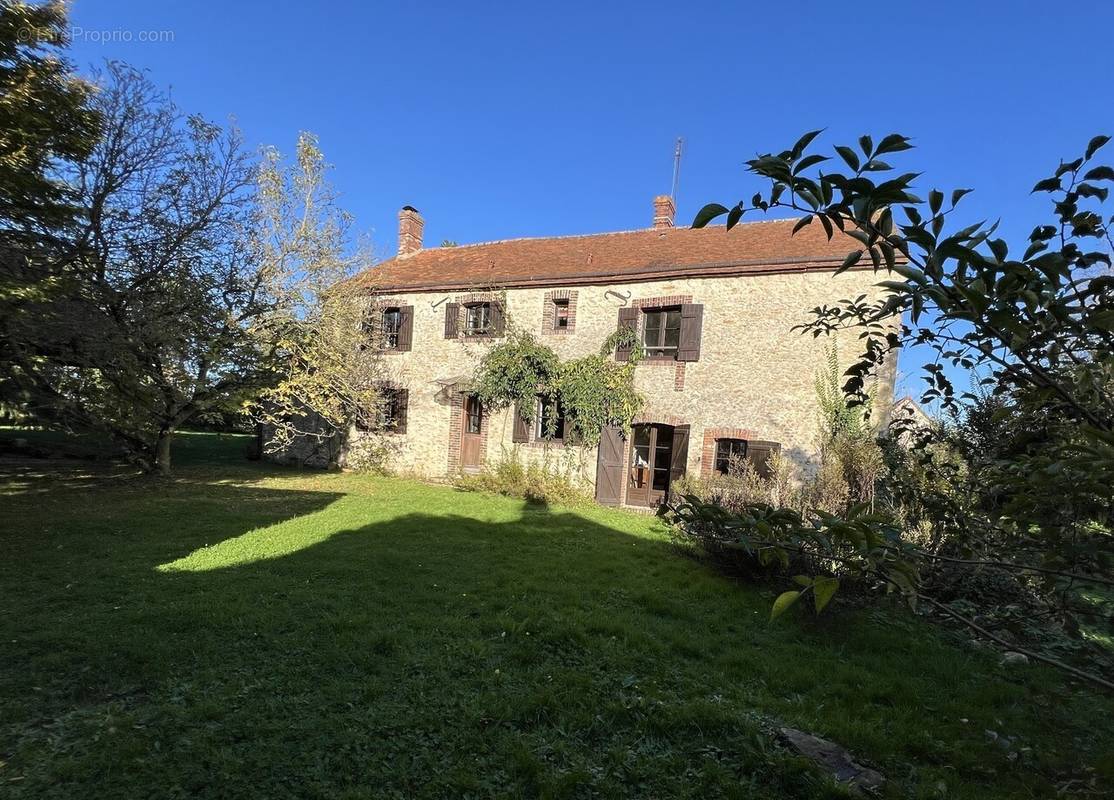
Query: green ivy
{"type": "Point", "coordinates": [593, 391]}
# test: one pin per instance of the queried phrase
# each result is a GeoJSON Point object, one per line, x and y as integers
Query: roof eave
{"type": "Point", "coordinates": [717, 270]}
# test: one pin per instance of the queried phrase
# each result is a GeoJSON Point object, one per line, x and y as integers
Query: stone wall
{"type": "Point", "coordinates": [754, 373]}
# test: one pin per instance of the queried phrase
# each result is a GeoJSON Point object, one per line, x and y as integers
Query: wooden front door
{"type": "Point", "coordinates": [471, 452]}
{"type": "Point", "coordinates": [651, 458]}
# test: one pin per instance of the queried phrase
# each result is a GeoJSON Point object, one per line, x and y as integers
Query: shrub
{"type": "Point", "coordinates": [537, 482]}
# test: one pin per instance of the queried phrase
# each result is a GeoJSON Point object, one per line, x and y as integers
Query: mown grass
{"type": "Point", "coordinates": [246, 631]}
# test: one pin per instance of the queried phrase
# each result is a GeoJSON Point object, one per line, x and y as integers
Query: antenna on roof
{"type": "Point", "coordinates": [676, 168]}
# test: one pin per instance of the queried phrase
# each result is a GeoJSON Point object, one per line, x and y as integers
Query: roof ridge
{"type": "Point", "coordinates": [591, 235]}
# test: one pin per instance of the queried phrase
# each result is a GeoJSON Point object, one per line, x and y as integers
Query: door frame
{"type": "Point", "coordinates": [646, 495]}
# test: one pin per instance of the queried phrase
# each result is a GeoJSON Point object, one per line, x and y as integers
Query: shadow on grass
{"type": "Point", "coordinates": [197, 634]}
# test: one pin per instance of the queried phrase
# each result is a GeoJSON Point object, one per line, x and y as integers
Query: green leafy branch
{"type": "Point", "coordinates": [859, 547]}
{"type": "Point", "coordinates": [593, 391]}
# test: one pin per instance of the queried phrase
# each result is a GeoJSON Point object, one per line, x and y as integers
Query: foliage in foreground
{"type": "Point", "coordinates": [1041, 327]}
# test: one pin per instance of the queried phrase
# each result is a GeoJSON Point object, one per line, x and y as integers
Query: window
{"type": "Point", "coordinates": [730, 454]}
{"type": "Point", "coordinates": [392, 324]}
{"type": "Point", "coordinates": [560, 315]}
{"type": "Point", "coordinates": [477, 320]}
{"type": "Point", "coordinates": [392, 410]}
{"type": "Point", "coordinates": [474, 411]}
{"type": "Point", "coordinates": [661, 332]}
{"type": "Point", "coordinates": [550, 418]}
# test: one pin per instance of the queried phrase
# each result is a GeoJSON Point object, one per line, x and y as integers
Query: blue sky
{"type": "Point", "coordinates": [500, 120]}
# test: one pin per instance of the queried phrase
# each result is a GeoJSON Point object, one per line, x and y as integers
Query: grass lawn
{"type": "Point", "coordinates": [247, 631]}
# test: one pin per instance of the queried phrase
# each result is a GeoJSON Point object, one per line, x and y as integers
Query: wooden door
{"type": "Point", "coordinates": [651, 460]}
{"type": "Point", "coordinates": [609, 466]}
{"type": "Point", "coordinates": [471, 436]}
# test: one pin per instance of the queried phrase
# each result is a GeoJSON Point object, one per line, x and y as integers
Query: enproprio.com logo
{"type": "Point", "coordinates": [77, 33]}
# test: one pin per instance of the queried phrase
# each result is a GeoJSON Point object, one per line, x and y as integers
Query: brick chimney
{"type": "Point", "coordinates": [664, 211]}
{"type": "Point", "coordinates": [410, 224]}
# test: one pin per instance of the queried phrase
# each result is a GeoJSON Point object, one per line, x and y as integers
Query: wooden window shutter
{"type": "Point", "coordinates": [498, 319]}
{"type": "Point", "coordinates": [521, 432]}
{"type": "Point", "coordinates": [405, 327]}
{"type": "Point", "coordinates": [692, 321]}
{"type": "Point", "coordinates": [628, 318]}
{"type": "Point", "coordinates": [679, 458]}
{"type": "Point", "coordinates": [759, 455]}
{"type": "Point", "coordinates": [403, 409]}
{"type": "Point", "coordinates": [452, 320]}
{"type": "Point", "coordinates": [609, 465]}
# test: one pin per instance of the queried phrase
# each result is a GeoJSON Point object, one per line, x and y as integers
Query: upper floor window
{"type": "Point", "coordinates": [478, 319]}
{"type": "Point", "coordinates": [730, 455]}
{"type": "Point", "coordinates": [390, 328]}
{"type": "Point", "coordinates": [550, 420]}
{"type": "Point", "coordinates": [661, 331]}
{"type": "Point", "coordinates": [560, 314]}
{"type": "Point", "coordinates": [392, 324]}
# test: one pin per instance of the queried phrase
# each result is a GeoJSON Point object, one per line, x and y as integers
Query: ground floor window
{"type": "Point", "coordinates": [392, 410]}
{"type": "Point", "coordinates": [730, 455]}
{"type": "Point", "coordinates": [550, 421]}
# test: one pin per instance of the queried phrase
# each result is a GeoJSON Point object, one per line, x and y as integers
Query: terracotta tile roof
{"type": "Point", "coordinates": [655, 253]}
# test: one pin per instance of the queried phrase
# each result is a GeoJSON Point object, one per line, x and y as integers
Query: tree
{"type": "Point", "coordinates": [47, 123]}
{"type": "Point", "coordinates": [148, 325]}
{"type": "Point", "coordinates": [323, 329]}
{"type": "Point", "coordinates": [1041, 326]}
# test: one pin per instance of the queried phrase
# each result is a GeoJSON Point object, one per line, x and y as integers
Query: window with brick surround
{"type": "Point", "coordinates": [661, 331]}
{"type": "Point", "coordinates": [730, 454]}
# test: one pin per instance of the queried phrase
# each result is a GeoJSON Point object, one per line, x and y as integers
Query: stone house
{"type": "Point", "coordinates": [725, 373]}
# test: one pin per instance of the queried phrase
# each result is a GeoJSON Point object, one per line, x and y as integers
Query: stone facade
{"type": "Point", "coordinates": [754, 373]}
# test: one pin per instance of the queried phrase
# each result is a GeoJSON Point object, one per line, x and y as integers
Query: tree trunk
{"type": "Point", "coordinates": [162, 451]}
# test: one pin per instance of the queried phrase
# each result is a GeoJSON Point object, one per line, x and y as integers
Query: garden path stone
{"type": "Point", "coordinates": [833, 758]}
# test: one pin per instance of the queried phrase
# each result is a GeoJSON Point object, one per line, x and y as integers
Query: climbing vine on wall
{"type": "Point", "coordinates": [593, 391]}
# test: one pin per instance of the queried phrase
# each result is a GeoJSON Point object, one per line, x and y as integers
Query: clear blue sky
{"type": "Point", "coordinates": [501, 121]}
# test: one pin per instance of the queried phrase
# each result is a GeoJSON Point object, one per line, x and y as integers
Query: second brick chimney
{"type": "Point", "coordinates": [410, 224]}
{"type": "Point", "coordinates": [664, 211]}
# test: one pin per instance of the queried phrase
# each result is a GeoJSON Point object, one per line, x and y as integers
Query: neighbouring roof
{"type": "Point", "coordinates": [756, 248]}
{"type": "Point", "coordinates": [909, 409]}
